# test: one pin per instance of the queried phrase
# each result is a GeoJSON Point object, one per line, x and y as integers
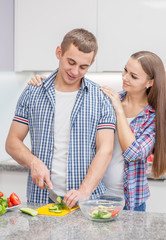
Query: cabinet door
{"type": "Point", "coordinates": [125, 27]}
{"type": "Point", "coordinates": [40, 27]}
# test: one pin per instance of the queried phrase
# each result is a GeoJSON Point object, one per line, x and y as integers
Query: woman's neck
{"type": "Point", "coordinates": [136, 100]}
{"type": "Point", "coordinates": [133, 105]}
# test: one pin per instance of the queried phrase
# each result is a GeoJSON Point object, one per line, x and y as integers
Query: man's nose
{"type": "Point", "coordinates": [75, 70]}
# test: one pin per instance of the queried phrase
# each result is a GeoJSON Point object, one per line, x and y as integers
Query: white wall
{"type": "Point", "coordinates": [7, 35]}
{"type": "Point", "coordinates": [11, 86]}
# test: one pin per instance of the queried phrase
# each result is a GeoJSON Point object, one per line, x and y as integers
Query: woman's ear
{"type": "Point", "coordinates": [58, 52]}
{"type": "Point", "coordinates": [150, 83]}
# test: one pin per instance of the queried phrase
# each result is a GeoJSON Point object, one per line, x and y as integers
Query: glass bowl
{"type": "Point", "coordinates": [106, 208]}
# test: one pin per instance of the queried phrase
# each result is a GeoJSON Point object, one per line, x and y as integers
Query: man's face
{"type": "Point", "coordinates": [73, 65]}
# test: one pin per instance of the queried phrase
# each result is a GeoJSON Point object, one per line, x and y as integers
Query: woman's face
{"type": "Point", "coordinates": [135, 80]}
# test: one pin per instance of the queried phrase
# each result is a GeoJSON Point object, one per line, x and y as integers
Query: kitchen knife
{"type": "Point", "coordinates": [53, 196]}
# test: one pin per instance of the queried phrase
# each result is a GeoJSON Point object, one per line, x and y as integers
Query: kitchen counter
{"type": "Point", "coordinates": [11, 173]}
{"type": "Point", "coordinates": [12, 165]}
{"type": "Point", "coordinates": [74, 226]}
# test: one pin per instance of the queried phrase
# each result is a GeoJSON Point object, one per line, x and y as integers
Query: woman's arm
{"type": "Point", "coordinates": [126, 136]}
{"type": "Point", "coordinates": [133, 149]}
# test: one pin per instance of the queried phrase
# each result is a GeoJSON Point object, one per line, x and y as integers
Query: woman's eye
{"type": "Point", "coordinates": [133, 77]}
{"type": "Point", "coordinates": [125, 69]}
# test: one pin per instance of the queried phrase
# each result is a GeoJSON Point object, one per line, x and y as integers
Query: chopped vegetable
{"type": "Point", "coordinates": [29, 211]}
{"type": "Point", "coordinates": [1, 194]}
{"type": "Point", "coordinates": [3, 204]}
{"type": "Point", "coordinates": [55, 211]}
{"type": "Point", "coordinates": [2, 209]}
{"type": "Point", "coordinates": [103, 212]}
{"type": "Point", "coordinates": [15, 199]}
{"type": "Point", "coordinates": [8, 202]}
{"type": "Point", "coordinates": [3, 201]}
{"type": "Point", "coordinates": [59, 199]}
{"type": "Point", "coordinates": [57, 207]}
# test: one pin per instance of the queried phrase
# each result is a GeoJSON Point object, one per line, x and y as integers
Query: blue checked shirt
{"type": "Point", "coordinates": [92, 111]}
{"type": "Point", "coordinates": [136, 190]}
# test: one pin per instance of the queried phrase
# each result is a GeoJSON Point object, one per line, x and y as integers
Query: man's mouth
{"type": "Point", "coordinates": [71, 77]}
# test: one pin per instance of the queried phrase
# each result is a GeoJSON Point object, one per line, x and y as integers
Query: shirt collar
{"type": "Point", "coordinates": [47, 82]}
{"type": "Point", "coordinates": [146, 110]}
{"type": "Point", "coordinates": [84, 84]}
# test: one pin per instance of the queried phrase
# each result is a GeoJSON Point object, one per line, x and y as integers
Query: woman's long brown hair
{"type": "Point", "coordinates": [154, 68]}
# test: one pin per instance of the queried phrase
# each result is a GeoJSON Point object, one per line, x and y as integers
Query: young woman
{"type": "Point", "coordinates": [141, 121]}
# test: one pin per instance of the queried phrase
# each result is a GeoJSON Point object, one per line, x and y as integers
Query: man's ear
{"type": "Point", "coordinates": [92, 61]}
{"type": "Point", "coordinates": [58, 52]}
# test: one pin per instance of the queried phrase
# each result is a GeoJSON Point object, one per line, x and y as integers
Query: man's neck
{"type": "Point", "coordinates": [63, 87]}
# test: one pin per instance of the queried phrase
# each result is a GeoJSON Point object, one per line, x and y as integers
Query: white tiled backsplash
{"type": "Point", "coordinates": [11, 86]}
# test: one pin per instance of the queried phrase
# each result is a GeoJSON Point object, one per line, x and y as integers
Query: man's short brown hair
{"type": "Point", "coordinates": [84, 40]}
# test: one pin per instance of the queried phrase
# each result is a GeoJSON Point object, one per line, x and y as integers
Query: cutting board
{"type": "Point", "coordinates": [45, 210]}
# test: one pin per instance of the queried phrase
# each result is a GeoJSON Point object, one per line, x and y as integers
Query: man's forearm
{"type": "Point", "coordinates": [96, 172]}
{"type": "Point", "coordinates": [19, 152]}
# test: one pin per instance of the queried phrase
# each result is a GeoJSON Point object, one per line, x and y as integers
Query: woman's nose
{"type": "Point", "coordinates": [126, 76]}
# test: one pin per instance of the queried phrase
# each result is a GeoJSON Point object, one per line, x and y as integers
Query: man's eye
{"type": "Point", "coordinates": [125, 69]}
{"type": "Point", "coordinates": [71, 63]}
{"type": "Point", "coordinates": [83, 68]}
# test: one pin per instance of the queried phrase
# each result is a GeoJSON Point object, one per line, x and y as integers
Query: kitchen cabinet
{"type": "Point", "coordinates": [40, 26]}
{"type": "Point", "coordinates": [7, 35]}
{"type": "Point", "coordinates": [125, 27]}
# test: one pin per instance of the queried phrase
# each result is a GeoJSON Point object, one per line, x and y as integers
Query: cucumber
{"type": "Point", "coordinates": [29, 211]}
{"type": "Point", "coordinates": [57, 206]}
{"type": "Point", "coordinates": [108, 215]}
{"type": "Point", "coordinates": [55, 211]}
{"type": "Point", "coordinates": [59, 199]}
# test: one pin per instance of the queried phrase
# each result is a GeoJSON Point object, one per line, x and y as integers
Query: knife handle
{"type": "Point", "coordinates": [46, 186]}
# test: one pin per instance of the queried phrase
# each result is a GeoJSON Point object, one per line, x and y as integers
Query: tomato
{"type": "Point", "coordinates": [10, 204]}
{"type": "Point", "coordinates": [14, 199]}
{"type": "Point", "coordinates": [1, 194]}
{"type": "Point", "coordinates": [115, 212]}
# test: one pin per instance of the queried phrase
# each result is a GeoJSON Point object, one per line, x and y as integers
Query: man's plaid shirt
{"type": "Point", "coordinates": [92, 111]}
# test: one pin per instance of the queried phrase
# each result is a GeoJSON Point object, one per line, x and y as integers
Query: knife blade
{"type": "Point", "coordinates": [53, 196]}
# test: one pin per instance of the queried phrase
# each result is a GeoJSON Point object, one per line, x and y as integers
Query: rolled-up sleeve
{"type": "Point", "coordinates": [143, 146]}
{"type": "Point", "coordinates": [108, 117]}
{"type": "Point", "coordinates": [21, 112]}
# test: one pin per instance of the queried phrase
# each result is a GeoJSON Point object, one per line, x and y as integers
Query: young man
{"type": "Point", "coordinates": [71, 124]}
